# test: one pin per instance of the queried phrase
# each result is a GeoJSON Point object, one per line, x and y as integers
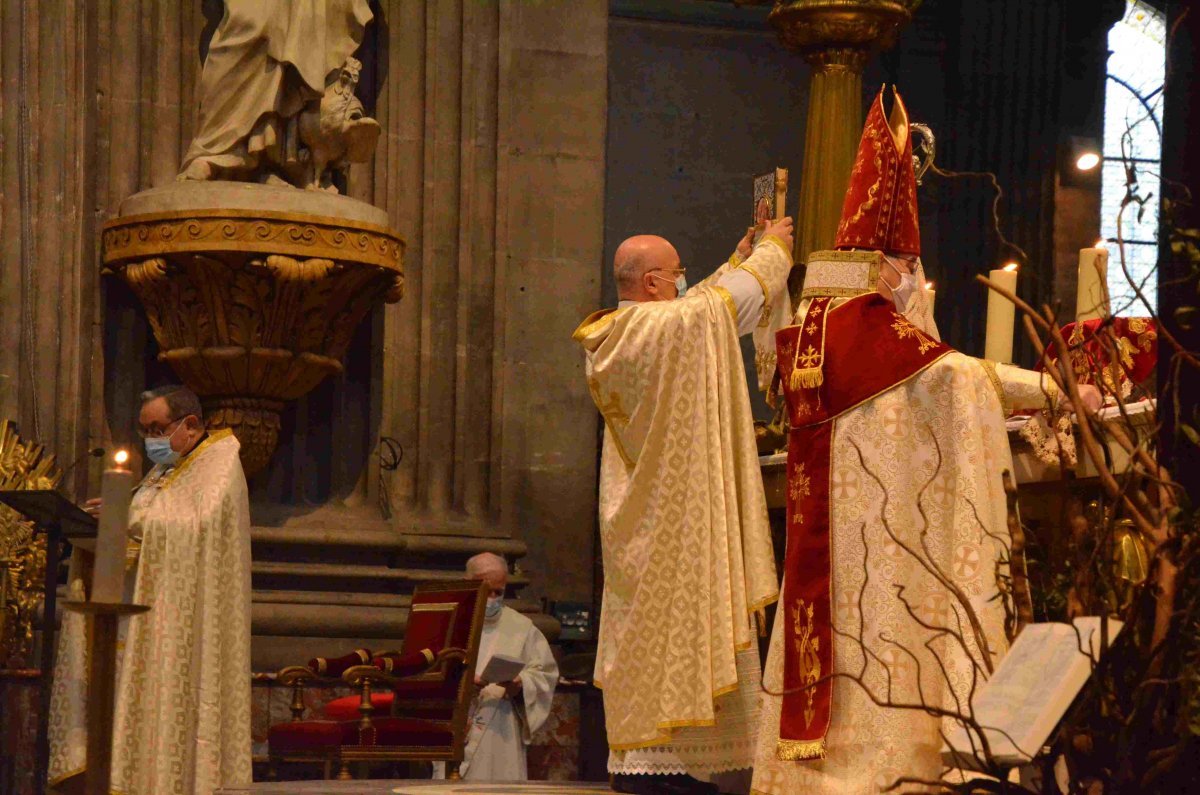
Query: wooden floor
{"type": "Point", "coordinates": [401, 787]}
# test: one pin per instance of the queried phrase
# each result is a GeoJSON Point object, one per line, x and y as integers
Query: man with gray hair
{"type": "Point", "coordinates": [183, 687]}
{"type": "Point", "coordinates": [505, 714]}
{"type": "Point", "coordinates": [683, 520]}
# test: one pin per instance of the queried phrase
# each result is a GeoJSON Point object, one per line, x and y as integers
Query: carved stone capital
{"type": "Point", "coordinates": [840, 34]}
{"type": "Point", "coordinates": [253, 309]}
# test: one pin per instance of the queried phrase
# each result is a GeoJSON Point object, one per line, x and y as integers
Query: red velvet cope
{"type": "Point", "coordinates": [864, 348]}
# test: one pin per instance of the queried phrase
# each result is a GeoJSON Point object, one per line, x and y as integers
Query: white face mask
{"type": "Point", "coordinates": [903, 292]}
{"type": "Point", "coordinates": [916, 305]}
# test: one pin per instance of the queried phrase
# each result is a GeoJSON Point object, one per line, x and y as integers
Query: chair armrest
{"type": "Point", "coordinates": [299, 677]}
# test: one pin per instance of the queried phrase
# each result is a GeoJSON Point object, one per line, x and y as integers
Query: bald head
{"type": "Point", "coordinates": [490, 568]}
{"type": "Point", "coordinates": [645, 267]}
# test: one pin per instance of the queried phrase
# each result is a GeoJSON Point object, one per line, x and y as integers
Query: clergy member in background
{"type": "Point", "coordinates": [683, 520]}
{"type": "Point", "coordinates": [505, 715]}
{"type": "Point", "coordinates": [887, 423]}
{"type": "Point", "coordinates": [182, 722]}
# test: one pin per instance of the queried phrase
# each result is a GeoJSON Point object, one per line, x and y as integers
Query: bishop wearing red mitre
{"type": "Point", "coordinates": [896, 520]}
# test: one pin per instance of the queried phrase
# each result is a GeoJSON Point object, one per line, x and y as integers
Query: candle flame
{"type": "Point", "coordinates": [1101, 243]}
{"type": "Point", "coordinates": [121, 456]}
{"type": "Point", "coordinates": [1012, 266]}
{"type": "Point", "coordinates": [928, 285]}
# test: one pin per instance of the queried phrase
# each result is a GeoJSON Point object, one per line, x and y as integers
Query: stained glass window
{"type": "Point", "coordinates": [1132, 153]}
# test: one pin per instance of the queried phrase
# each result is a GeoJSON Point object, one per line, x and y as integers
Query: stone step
{"type": "Point", "coordinates": [351, 577]}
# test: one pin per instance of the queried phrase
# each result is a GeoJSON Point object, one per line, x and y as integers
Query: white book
{"type": "Point", "coordinates": [501, 669]}
{"type": "Point", "coordinates": [1030, 691]}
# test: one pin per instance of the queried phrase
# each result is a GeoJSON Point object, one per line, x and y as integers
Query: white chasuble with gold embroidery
{"type": "Point", "coordinates": [182, 723]}
{"type": "Point", "coordinates": [935, 443]}
{"type": "Point", "coordinates": [683, 521]}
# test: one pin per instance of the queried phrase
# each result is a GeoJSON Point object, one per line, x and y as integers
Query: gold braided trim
{"type": "Point", "coordinates": [762, 603]}
{"type": "Point", "coordinates": [848, 259]}
{"type": "Point", "coordinates": [798, 750]}
{"type": "Point", "coordinates": [765, 318]}
{"type": "Point", "coordinates": [213, 438]}
{"type": "Point", "coordinates": [664, 729]}
{"type": "Point", "coordinates": [594, 322]}
{"type": "Point", "coordinates": [728, 299]}
{"type": "Point", "coordinates": [735, 260]}
{"type": "Point", "coordinates": [989, 367]}
{"type": "Point", "coordinates": [782, 246]}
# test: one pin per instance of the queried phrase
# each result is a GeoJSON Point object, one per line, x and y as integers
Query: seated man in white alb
{"type": "Point", "coordinates": [505, 715]}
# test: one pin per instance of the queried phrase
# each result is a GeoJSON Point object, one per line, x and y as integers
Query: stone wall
{"type": "Point", "coordinates": [473, 373]}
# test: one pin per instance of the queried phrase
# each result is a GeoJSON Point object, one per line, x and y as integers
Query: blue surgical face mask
{"type": "Point", "coordinates": [159, 450]}
{"type": "Point", "coordinates": [680, 285]}
{"type": "Point", "coordinates": [494, 605]}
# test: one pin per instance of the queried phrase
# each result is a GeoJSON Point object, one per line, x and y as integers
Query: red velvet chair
{"type": "Point", "coordinates": [429, 684]}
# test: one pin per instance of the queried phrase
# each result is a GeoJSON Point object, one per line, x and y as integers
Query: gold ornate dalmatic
{"type": "Point", "coordinates": [683, 519]}
{"type": "Point", "coordinates": [183, 689]}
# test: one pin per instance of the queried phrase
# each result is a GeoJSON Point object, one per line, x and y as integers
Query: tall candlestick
{"type": "Point", "coordinates": [116, 491]}
{"type": "Point", "coordinates": [1001, 316]}
{"type": "Point", "coordinates": [930, 295]}
{"type": "Point", "coordinates": [1091, 293]}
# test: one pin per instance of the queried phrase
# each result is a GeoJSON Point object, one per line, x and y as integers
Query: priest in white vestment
{"type": "Point", "coordinates": [687, 548]}
{"type": "Point", "coordinates": [182, 723]}
{"type": "Point", "coordinates": [896, 450]}
{"type": "Point", "coordinates": [504, 715]}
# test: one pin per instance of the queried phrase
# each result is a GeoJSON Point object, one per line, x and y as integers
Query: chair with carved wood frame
{"type": "Point", "coordinates": [430, 683]}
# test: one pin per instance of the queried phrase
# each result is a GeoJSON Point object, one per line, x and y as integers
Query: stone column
{"type": "Point", "coordinates": [837, 40]}
{"type": "Point", "coordinates": [502, 206]}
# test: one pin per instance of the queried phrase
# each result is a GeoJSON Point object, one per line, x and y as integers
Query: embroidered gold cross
{"type": "Point", "coordinates": [810, 357]}
{"type": "Point", "coordinates": [904, 330]}
{"type": "Point", "coordinates": [812, 328]}
{"type": "Point", "coordinates": [799, 484]}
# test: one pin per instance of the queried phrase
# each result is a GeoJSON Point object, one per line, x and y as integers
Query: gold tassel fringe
{"type": "Point", "coordinates": [807, 378]}
{"type": "Point", "coordinates": [799, 750]}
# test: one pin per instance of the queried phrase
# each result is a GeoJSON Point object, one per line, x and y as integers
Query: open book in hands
{"type": "Point", "coordinates": [500, 669]}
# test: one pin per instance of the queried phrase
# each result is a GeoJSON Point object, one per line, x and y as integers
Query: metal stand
{"type": "Point", "coordinates": [53, 532]}
{"type": "Point", "coordinates": [102, 663]}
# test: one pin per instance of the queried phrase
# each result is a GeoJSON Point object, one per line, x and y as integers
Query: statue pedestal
{"type": "Point", "coordinates": [253, 291]}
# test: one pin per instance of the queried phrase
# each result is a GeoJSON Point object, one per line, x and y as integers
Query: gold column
{"type": "Point", "coordinates": [836, 37]}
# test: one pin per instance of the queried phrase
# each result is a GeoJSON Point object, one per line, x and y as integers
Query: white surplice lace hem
{"type": "Point", "coordinates": [707, 750]}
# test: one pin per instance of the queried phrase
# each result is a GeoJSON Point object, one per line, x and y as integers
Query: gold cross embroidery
{"type": "Point", "coordinates": [812, 328]}
{"type": "Point", "coordinates": [810, 357]}
{"type": "Point", "coordinates": [905, 330]}
{"type": "Point", "coordinates": [799, 484]}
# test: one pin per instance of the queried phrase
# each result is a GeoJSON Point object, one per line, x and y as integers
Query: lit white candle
{"type": "Point", "coordinates": [1091, 292]}
{"type": "Point", "coordinates": [930, 295]}
{"type": "Point", "coordinates": [1001, 316]}
{"type": "Point", "coordinates": [116, 491]}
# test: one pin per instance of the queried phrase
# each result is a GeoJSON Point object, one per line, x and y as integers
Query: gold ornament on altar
{"type": "Point", "coordinates": [23, 465]}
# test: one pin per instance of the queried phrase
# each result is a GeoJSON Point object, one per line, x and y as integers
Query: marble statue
{"type": "Point", "coordinates": [277, 103]}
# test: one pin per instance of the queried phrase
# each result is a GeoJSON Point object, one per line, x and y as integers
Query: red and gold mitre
{"type": "Point", "coordinates": [880, 211]}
